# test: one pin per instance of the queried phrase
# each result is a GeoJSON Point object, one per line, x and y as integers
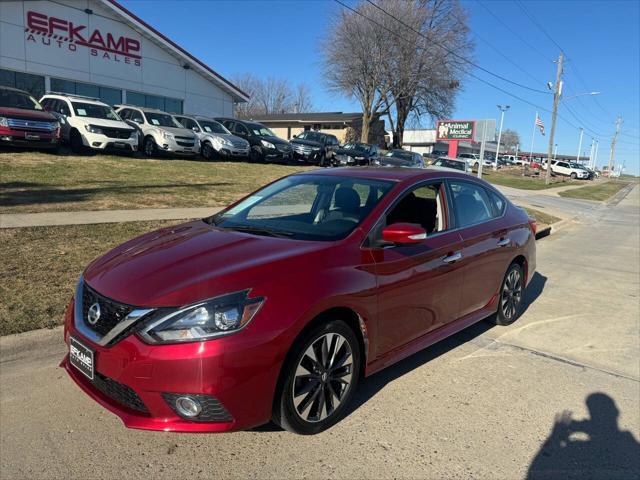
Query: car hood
{"type": "Point", "coordinates": [182, 132]}
{"type": "Point", "coordinates": [103, 122]}
{"type": "Point", "coordinates": [191, 262]}
{"type": "Point", "coordinates": [25, 114]}
{"type": "Point", "coordinates": [311, 143]}
{"type": "Point", "coordinates": [351, 152]}
{"type": "Point", "coordinates": [277, 140]}
{"type": "Point", "coordinates": [394, 162]}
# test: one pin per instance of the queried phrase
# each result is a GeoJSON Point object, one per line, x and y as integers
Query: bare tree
{"type": "Point", "coordinates": [273, 95]}
{"type": "Point", "coordinates": [394, 57]}
{"type": "Point", "coordinates": [423, 73]}
{"type": "Point", "coordinates": [510, 139]}
{"type": "Point", "coordinates": [354, 54]}
{"type": "Point", "coordinates": [301, 99]}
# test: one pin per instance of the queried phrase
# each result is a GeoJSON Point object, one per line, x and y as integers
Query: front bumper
{"type": "Point", "coordinates": [178, 147]}
{"type": "Point", "coordinates": [21, 138]}
{"type": "Point", "coordinates": [276, 154]}
{"type": "Point", "coordinates": [233, 152]}
{"type": "Point", "coordinates": [238, 371]}
{"type": "Point", "coordinates": [98, 141]}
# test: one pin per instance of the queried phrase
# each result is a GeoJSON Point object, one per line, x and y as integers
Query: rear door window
{"type": "Point", "coordinates": [471, 203]}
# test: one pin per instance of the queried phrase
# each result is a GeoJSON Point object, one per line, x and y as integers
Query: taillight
{"type": "Point", "coordinates": [533, 225]}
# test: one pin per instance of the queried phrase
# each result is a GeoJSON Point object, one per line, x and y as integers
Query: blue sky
{"type": "Point", "coordinates": [601, 40]}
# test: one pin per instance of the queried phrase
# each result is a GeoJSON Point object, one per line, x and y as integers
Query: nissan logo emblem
{"type": "Point", "coordinates": [93, 315]}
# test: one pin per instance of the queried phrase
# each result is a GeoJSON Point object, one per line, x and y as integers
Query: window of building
{"type": "Point", "coordinates": [110, 96]}
{"type": "Point", "coordinates": [170, 105]}
{"type": "Point", "coordinates": [34, 84]}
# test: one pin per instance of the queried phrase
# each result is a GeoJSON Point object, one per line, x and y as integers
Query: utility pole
{"type": "Point", "coordinates": [556, 99]}
{"type": "Point", "coordinates": [612, 152]}
{"type": "Point", "coordinates": [595, 155]}
{"type": "Point", "coordinates": [580, 144]}
{"type": "Point", "coordinates": [555, 151]}
{"type": "Point", "coordinates": [502, 110]}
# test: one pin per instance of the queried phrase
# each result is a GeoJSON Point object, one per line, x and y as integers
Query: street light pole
{"type": "Point", "coordinates": [502, 110]}
{"type": "Point", "coordinates": [556, 100]}
{"type": "Point", "coordinates": [555, 151]}
{"type": "Point", "coordinates": [595, 157]}
{"type": "Point", "coordinates": [580, 144]}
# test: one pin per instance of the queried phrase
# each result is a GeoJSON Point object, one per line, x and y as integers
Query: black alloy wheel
{"type": "Point", "coordinates": [511, 296]}
{"type": "Point", "coordinates": [208, 151]}
{"type": "Point", "coordinates": [319, 379]}
{"type": "Point", "coordinates": [149, 147]}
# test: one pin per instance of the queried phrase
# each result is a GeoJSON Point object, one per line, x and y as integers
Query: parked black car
{"type": "Point", "coordinates": [400, 158]}
{"type": "Point", "coordinates": [355, 154]}
{"type": "Point", "coordinates": [314, 147]}
{"type": "Point", "coordinates": [265, 145]}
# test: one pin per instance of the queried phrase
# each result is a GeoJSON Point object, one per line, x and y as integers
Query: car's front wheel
{"type": "Point", "coordinates": [150, 147]}
{"type": "Point", "coordinates": [208, 151]}
{"type": "Point", "coordinates": [255, 155]}
{"type": "Point", "coordinates": [511, 295]}
{"type": "Point", "coordinates": [573, 175]}
{"type": "Point", "coordinates": [319, 379]}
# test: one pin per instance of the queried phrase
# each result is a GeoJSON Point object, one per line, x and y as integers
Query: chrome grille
{"type": "Point", "coordinates": [31, 124]}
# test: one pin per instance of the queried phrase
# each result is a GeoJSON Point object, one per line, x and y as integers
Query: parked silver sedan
{"type": "Point", "coordinates": [400, 158]}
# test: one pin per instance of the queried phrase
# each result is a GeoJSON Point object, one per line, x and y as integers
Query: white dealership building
{"type": "Point", "coordinates": [98, 48]}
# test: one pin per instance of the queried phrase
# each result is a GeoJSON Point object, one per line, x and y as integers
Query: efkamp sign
{"type": "Point", "coordinates": [455, 129]}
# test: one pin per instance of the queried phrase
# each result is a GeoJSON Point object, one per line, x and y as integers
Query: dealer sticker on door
{"type": "Point", "coordinates": [81, 357]}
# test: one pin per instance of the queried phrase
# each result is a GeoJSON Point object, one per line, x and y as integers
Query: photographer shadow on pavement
{"type": "Point", "coordinates": [590, 448]}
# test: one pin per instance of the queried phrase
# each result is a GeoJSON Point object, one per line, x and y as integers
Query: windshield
{"type": "Point", "coordinates": [305, 207]}
{"type": "Point", "coordinates": [213, 127]}
{"type": "Point", "coordinates": [161, 120]}
{"type": "Point", "coordinates": [92, 110]}
{"type": "Point", "coordinates": [402, 155]}
{"type": "Point", "coordinates": [261, 131]}
{"type": "Point", "coordinates": [11, 99]}
{"type": "Point", "coordinates": [443, 162]}
{"type": "Point", "coordinates": [361, 147]}
{"type": "Point", "coordinates": [312, 136]}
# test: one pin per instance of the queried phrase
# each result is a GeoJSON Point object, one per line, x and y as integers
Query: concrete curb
{"type": "Point", "coordinates": [41, 343]}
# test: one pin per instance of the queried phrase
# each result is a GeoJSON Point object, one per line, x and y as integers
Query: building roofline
{"type": "Point", "coordinates": [114, 5]}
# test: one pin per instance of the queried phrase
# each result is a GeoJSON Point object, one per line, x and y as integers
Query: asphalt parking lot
{"type": "Point", "coordinates": [552, 396]}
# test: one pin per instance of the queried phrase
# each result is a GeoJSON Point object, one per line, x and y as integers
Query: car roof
{"type": "Point", "coordinates": [396, 174]}
{"type": "Point", "coordinates": [452, 159]}
{"type": "Point", "coordinates": [72, 97]}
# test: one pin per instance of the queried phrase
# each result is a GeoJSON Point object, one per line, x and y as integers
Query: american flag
{"type": "Point", "coordinates": [539, 124]}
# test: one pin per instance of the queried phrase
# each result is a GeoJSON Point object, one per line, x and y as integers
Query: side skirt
{"type": "Point", "coordinates": [430, 338]}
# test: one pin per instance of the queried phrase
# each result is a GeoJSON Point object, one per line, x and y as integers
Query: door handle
{"type": "Point", "coordinates": [504, 242]}
{"type": "Point", "coordinates": [452, 258]}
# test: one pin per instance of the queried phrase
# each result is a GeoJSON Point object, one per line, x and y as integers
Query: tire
{"type": "Point", "coordinates": [208, 152]}
{"type": "Point", "coordinates": [75, 142]}
{"type": "Point", "coordinates": [307, 413]}
{"type": "Point", "coordinates": [510, 296]}
{"type": "Point", "coordinates": [476, 165]}
{"type": "Point", "coordinates": [573, 175]}
{"type": "Point", "coordinates": [255, 155]}
{"type": "Point", "coordinates": [149, 147]}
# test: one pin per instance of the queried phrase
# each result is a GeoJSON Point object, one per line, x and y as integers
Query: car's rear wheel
{"type": "Point", "coordinates": [511, 295]}
{"type": "Point", "coordinates": [319, 379]}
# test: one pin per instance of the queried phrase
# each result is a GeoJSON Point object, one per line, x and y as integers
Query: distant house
{"type": "Point", "coordinates": [345, 126]}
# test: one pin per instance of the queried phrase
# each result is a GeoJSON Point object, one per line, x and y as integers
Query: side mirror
{"type": "Point", "coordinates": [404, 233]}
{"type": "Point", "coordinates": [195, 129]}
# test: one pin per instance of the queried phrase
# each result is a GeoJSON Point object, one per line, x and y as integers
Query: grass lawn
{"type": "Point", "coordinates": [542, 218]}
{"type": "Point", "coordinates": [512, 177]}
{"type": "Point", "coordinates": [41, 266]}
{"type": "Point", "coordinates": [41, 182]}
{"type": "Point", "coordinates": [598, 192]}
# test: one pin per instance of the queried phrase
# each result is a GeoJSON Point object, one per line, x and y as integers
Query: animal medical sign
{"type": "Point", "coordinates": [455, 130]}
{"type": "Point", "coordinates": [61, 33]}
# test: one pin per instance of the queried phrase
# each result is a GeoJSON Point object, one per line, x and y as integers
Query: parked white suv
{"type": "Point", "coordinates": [89, 122]}
{"type": "Point", "coordinates": [473, 159]}
{"type": "Point", "coordinates": [159, 132]}
{"type": "Point", "coordinates": [560, 167]}
{"type": "Point", "coordinates": [215, 139]}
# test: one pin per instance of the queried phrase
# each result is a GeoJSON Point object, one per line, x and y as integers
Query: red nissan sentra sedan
{"type": "Point", "coordinates": [276, 306]}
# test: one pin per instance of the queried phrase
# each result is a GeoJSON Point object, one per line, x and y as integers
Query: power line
{"type": "Point", "coordinates": [516, 34]}
{"type": "Point", "coordinates": [535, 22]}
{"type": "Point", "coordinates": [451, 52]}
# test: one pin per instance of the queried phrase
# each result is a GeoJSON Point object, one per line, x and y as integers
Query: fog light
{"type": "Point", "coordinates": [188, 407]}
{"type": "Point", "coordinates": [96, 144]}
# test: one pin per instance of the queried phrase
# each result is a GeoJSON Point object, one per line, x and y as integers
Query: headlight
{"type": "Point", "coordinates": [93, 129]}
{"type": "Point", "coordinates": [376, 162]}
{"type": "Point", "coordinates": [4, 122]}
{"type": "Point", "coordinates": [226, 141]}
{"type": "Point", "coordinates": [204, 320]}
{"type": "Point", "coordinates": [267, 144]}
{"type": "Point", "coordinates": [167, 135]}
{"type": "Point", "coordinates": [315, 149]}
{"type": "Point", "coordinates": [134, 135]}
{"type": "Point", "coordinates": [359, 158]}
